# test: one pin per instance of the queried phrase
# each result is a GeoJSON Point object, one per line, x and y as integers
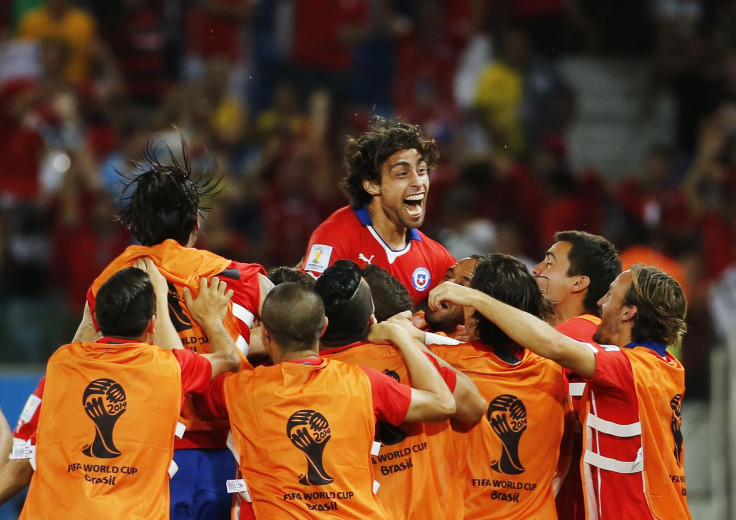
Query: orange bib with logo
{"type": "Point", "coordinates": [660, 387]}
{"type": "Point", "coordinates": [419, 457]}
{"type": "Point", "coordinates": [303, 434]}
{"type": "Point", "coordinates": [182, 267]}
{"type": "Point", "coordinates": [106, 433]}
{"type": "Point", "coordinates": [510, 456]}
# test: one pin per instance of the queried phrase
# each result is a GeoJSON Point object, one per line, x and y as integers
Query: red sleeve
{"type": "Point", "coordinates": [27, 424]}
{"type": "Point", "coordinates": [613, 370]}
{"type": "Point", "coordinates": [391, 399]}
{"type": "Point", "coordinates": [244, 281]}
{"type": "Point", "coordinates": [196, 371]}
{"type": "Point", "coordinates": [447, 374]}
{"type": "Point", "coordinates": [214, 399]}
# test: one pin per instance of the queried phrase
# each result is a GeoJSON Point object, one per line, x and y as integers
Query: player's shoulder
{"type": "Point", "coordinates": [581, 328]}
{"type": "Point", "coordinates": [428, 243]}
{"type": "Point", "coordinates": [344, 217]}
{"type": "Point", "coordinates": [242, 272]}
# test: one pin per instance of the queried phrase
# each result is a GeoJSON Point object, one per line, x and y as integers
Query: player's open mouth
{"type": "Point", "coordinates": [413, 205]}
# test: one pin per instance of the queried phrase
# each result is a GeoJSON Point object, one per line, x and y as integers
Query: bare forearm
{"type": "Point", "coordinates": [86, 330]}
{"type": "Point", "coordinates": [14, 476]}
{"type": "Point", "coordinates": [6, 438]}
{"type": "Point", "coordinates": [534, 334]}
{"type": "Point", "coordinates": [166, 336]}
{"type": "Point", "coordinates": [423, 375]}
{"type": "Point", "coordinates": [220, 341]}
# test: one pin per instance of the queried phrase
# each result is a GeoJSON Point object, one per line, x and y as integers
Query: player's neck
{"type": "Point", "coordinates": [566, 310]}
{"type": "Point", "coordinates": [394, 235]}
{"type": "Point", "coordinates": [623, 337]}
{"type": "Point", "coordinates": [296, 355]}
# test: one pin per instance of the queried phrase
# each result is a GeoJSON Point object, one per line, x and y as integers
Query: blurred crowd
{"type": "Point", "coordinates": [265, 91]}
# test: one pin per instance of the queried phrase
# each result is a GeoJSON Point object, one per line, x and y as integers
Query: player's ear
{"type": "Point", "coordinates": [372, 187]}
{"type": "Point", "coordinates": [581, 283]}
{"type": "Point", "coordinates": [324, 327]}
{"type": "Point", "coordinates": [630, 312]}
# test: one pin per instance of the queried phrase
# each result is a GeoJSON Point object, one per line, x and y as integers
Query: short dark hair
{"type": "Point", "coordinates": [661, 306]}
{"type": "Point", "coordinates": [164, 200]}
{"type": "Point", "coordinates": [348, 303]}
{"type": "Point", "coordinates": [365, 154]}
{"type": "Point", "coordinates": [508, 280]}
{"type": "Point", "coordinates": [125, 303]}
{"type": "Point", "coordinates": [595, 257]}
{"type": "Point", "coordinates": [390, 297]}
{"type": "Point", "coordinates": [294, 316]}
{"type": "Point", "coordinates": [283, 274]}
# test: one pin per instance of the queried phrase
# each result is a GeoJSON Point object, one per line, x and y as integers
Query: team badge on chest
{"type": "Point", "coordinates": [421, 278]}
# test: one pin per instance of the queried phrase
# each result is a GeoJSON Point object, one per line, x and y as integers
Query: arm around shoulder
{"type": "Point", "coordinates": [524, 329]}
{"type": "Point", "coordinates": [431, 399]}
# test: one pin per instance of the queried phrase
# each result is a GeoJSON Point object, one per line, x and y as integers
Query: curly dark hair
{"type": "Point", "coordinates": [365, 154]}
{"type": "Point", "coordinates": [164, 200]}
{"type": "Point", "coordinates": [508, 280]}
{"type": "Point", "coordinates": [283, 274]}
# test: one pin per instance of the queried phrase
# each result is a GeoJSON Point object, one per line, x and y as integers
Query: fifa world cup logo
{"type": "Point", "coordinates": [507, 415]}
{"type": "Point", "coordinates": [676, 424]}
{"type": "Point", "coordinates": [309, 431]}
{"type": "Point", "coordinates": [104, 401]}
{"type": "Point", "coordinates": [318, 255]}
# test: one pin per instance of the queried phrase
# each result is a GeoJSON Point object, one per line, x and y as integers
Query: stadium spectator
{"type": "Point", "coordinates": [62, 19]}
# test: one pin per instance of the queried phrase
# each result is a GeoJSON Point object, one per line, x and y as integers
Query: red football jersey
{"type": "Point", "coordinates": [348, 234]}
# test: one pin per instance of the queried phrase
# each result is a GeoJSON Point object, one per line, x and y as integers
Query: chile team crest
{"type": "Point", "coordinates": [421, 278]}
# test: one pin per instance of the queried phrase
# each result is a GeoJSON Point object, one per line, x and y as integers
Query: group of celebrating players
{"type": "Point", "coordinates": [197, 387]}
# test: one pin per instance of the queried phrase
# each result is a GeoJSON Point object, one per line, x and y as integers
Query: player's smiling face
{"type": "Point", "coordinates": [402, 193]}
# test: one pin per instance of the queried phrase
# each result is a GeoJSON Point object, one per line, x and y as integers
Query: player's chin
{"type": "Point", "coordinates": [413, 222]}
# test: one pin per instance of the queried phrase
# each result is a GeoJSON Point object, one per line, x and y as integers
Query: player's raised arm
{"type": "Point", "coordinates": [86, 330]}
{"type": "Point", "coordinates": [523, 328]}
{"type": "Point", "coordinates": [431, 399]}
{"type": "Point", "coordinates": [209, 309]}
{"type": "Point", "coordinates": [165, 335]}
